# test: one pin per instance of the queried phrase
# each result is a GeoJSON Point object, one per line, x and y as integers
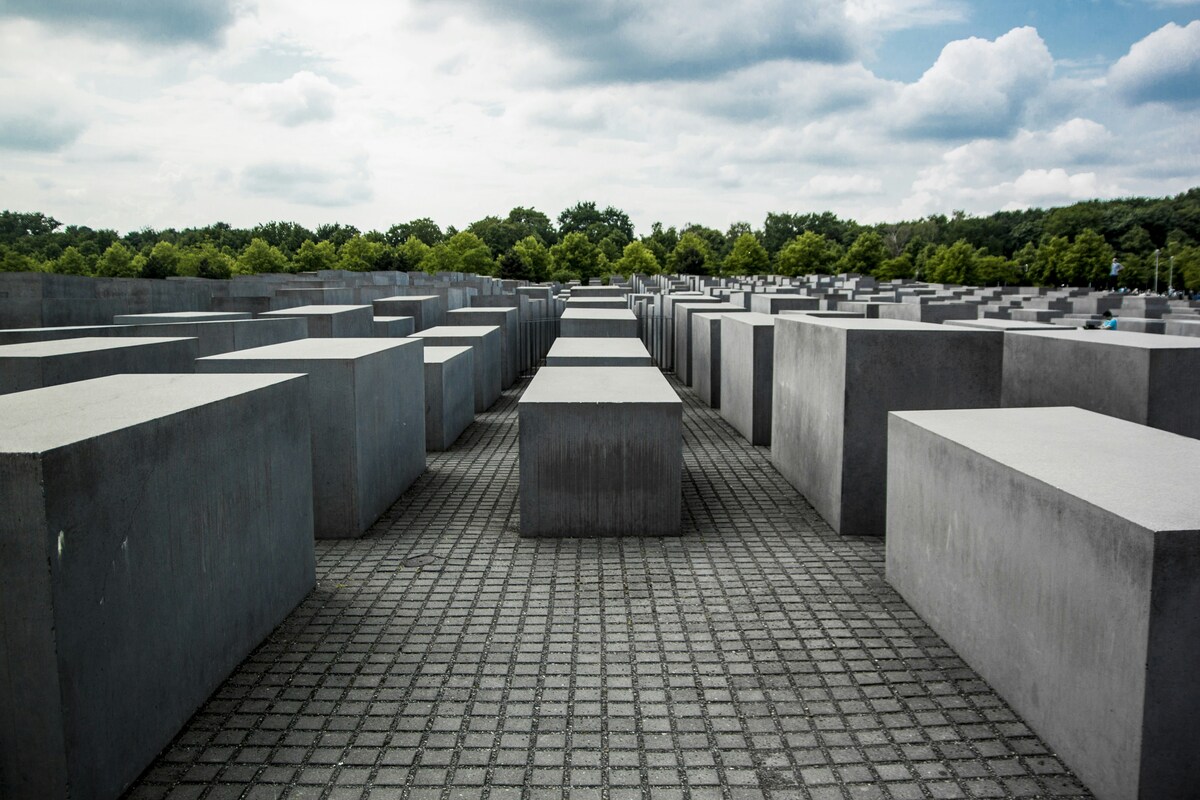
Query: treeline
{"type": "Point", "coordinates": [1072, 245]}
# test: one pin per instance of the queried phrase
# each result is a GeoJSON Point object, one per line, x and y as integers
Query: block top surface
{"type": "Point", "coordinates": [1117, 338]}
{"type": "Point", "coordinates": [390, 319]}
{"type": "Point", "coordinates": [1001, 324]}
{"type": "Point", "coordinates": [185, 316]}
{"type": "Point", "coordinates": [1088, 455]}
{"type": "Point", "coordinates": [440, 355]}
{"type": "Point", "coordinates": [867, 324]}
{"type": "Point", "coordinates": [710, 308]}
{"type": "Point", "coordinates": [43, 419]}
{"type": "Point", "coordinates": [313, 349]}
{"type": "Point", "coordinates": [598, 313]}
{"type": "Point", "coordinates": [481, 310]}
{"type": "Point", "coordinates": [591, 385]}
{"type": "Point", "coordinates": [84, 344]}
{"type": "Point", "coordinates": [425, 297]}
{"type": "Point", "coordinates": [456, 331]}
{"type": "Point", "coordinates": [592, 346]}
{"type": "Point", "coordinates": [752, 318]}
{"type": "Point", "coordinates": [316, 311]}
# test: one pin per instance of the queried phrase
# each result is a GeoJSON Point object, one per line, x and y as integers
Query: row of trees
{"type": "Point", "coordinates": [1070, 245]}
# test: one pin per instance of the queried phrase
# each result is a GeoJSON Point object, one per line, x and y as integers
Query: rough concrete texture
{"type": "Point", "coordinates": [599, 291]}
{"type": "Point", "coordinates": [507, 319]}
{"type": "Point", "coordinates": [214, 337]}
{"type": "Point", "coordinates": [868, 308]}
{"type": "Point", "coordinates": [486, 341]}
{"type": "Point", "coordinates": [929, 312]}
{"type": "Point", "coordinates": [601, 453]}
{"type": "Point", "coordinates": [682, 320]}
{"type": "Point", "coordinates": [601, 352]}
{"type": "Point", "coordinates": [393, 327]}
{"type": "Point", "coordinates": [449, 394]}
{"type": "Point", "coordinates": [774, 303]}
{"type": "Point", "coordinates": [1001, 324]}
{"type": "Point", "coordinates": [598, 322]}
{"type": "Point", "coordinates": [835, 380]}
{"type": "Point", "coordinates": [706, 355]}
{"type": "Point", "coordinates": [367, 401]}
{"type": "Point", "coordinates": [427, 311]}
{"type": "Point", "coordinates": [598, 302]}
{"type": "Point", "coordinates": [1074, 596]}
{"type": "Point", "coordinates": [747, 359]}
{"type": "Point", "coordinates": [332, 321]}
{"type": "Point", "coordinates": [39, 364]}
{"type": "Point", "coordinates": [156, 528]}
{"type": "Point", "coordinates": [1145, 378]}
{"type": "Point", "coordinates": [179, 316]}
{"type": "Point", "coordinates": [1183, 327]}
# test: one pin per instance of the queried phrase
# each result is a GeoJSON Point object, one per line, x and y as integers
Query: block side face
{"type": "Point", "coordinates": [176, 560]}
{"type": "Point", "coordinates": [1171, 721]}
{"type": "Point", "coordinates": [764, 365]}
{"type": "Point", "coordinates": [808, 423]}
{"type": "Point", "coordinates": [32, 747]}
{"type": "Point", "coordinates": [1173, 398]}
{"type": "Point", "coordinates": [603, 470]}
{"type": "Point", "coordinates": [737, 376]}
{"type": "Point", "coordinates": [1045, 596]}
{"type": "Point", "coordinates": [900, 371]}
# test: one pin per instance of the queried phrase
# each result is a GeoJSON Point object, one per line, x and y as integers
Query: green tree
{"type": "Point", "coordinates": [577, 254]}
{"type": "Point", "coordinates": [71, 262]}
{"type": "Point", "coordinates": [161, 262]}
{"type": "Point", "coordinates": [14, 261]}
{"type": "Point", "coordinates": [510, 267]}
{"type": "Point", "coordinates": [1050, 267]}
{"type": "Point", "coordinates": [424, 229]}
{"type": "Point", "coordinates": [260, 257]}
{"type": "Point", "coordinates": [586, 218]}
{"type": "Point", "coordinates": [316, 256]}
{"type": "Point", "coordinates": [899, 267]}
{"type": "Point", "coordinates": [1025, 263]}
{"type": "Point", "coordinates": [535, 256]}
{"type": "Point", "coordinates": [205, 261]}
{"type": "Point", "coordinates": [1088, 260]}
{"type": "Point", "coordinates": [954, 264]}
{"type": "Point", "coordinates": [866, 255]}
{"type": "Point", "coordinates": [116, 262]}
{"type": "Point", "coordinates": [287, 236]}
{"type": "Point", "coordinates": [337, 233]}
{"type": "Point", "coordinates": [637, 258]}
{"type": "Point", "coordinates": [462, 252]}
{"type": "Point", "coordinates": [747, 257]}
{"type": "Point", "coordinates": [692, 256]}
{"type": "Point", "coordinates": [359, 254]}
{"type": "Point", "coordinates": [411, 253]}
{"type": "Point", "coordinates": [995, 270]}
{"type": "Point", "coordinates": [807, 254]}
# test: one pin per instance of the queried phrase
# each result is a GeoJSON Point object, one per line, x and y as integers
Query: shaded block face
{"type": "Point", "coordinates": [449, 394]}
{"type": "Point", "coordinates": [601, 453]}
{"type": "Point", "coordinates": [38, 364]}
{"type": "Point", "coordinates": [928, 312]}
{"type": "Point", "coordinates": [507, 320]}
{"type": "Point", "coordinates": [156, 529]}
{"type": "Point", "coordinates": [367, 401]}
{"type": "Point", "coordinates": [598, 291]}
{"type": "Point", "coordinates": [618, 303]}
{"type": "Point", "coordinates": [706, 358]}
{"type": "Point", "coordinates": [486, 342]}
{"type": "Point", "coordinates": [1074, 597]}
{"type": "Point", "coordinates": [835, 380]}
{"type": "Point", "coordinates": [393, 327]}
{"type": "Point", "coordinates": [747, 363]}
{"type": "Point", "coordinates": [682, 320]}
{"type": "Point", "coordinates": [1145, 378]}
{"type": "Point", "coordinates": [332, 321]}
{"type": "Point", "coordinates": [774, 303]}
{"type": "Point", "coordinates": [179, 316]}
{"type": "Point", "coordinates": [427, 311]}
{"type": "Point", "coordinates": [602, 352]}
{"type": "Point", "coordinates": [598, 322]}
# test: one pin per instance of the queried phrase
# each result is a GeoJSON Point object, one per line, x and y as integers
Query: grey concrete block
{"type": "Point", "coordinates": [617, 303]}
{"type": "Point", "coordinates": [367, 400]}
{"type": "Point", "coordinates": [1145, 378]}
{"type": "Point", "coordinates": [488, 368]}
{"type": "Point", "coordinates": [508, 321]}
{"type": "Point", "coordinates": [1017, 535]}
{"type": "Point", "coordinates": [393, 327]}
{"type": "Point", "coordinates": [683, 313]}
{"type": "Point", "coordinates": [427, 310]}
{"type": "Point", "coordinates": [449, 394]}
{"type": "Point", "coordinates": [774, 303]}
{"type": "Point", "coordinates": [599, 291]}
{"type": "Point", "coordinates": [179, 316]}
{"type": "Point", "coordinates": [835, 382]}
{"type": "Point", "coordinates": [929, 312]}
{"type": "Point", "coordinates": [225, 336]}
{"type": "Point", "coordinates": [706, 354]}
{"type": "Point", "coordinates": [156, 528]}
{"type": "Point", "coordinates": [1000, 324]}
{"type": "Point", "coordinates": [601, 453]}
{"type": "Point", "coordinates": [747, 363]}
{"type": "Point", "coordinates": [38, 364]}
{"type": "Point", "coordinates": [1175, 327]}
{"type": "Point", "coordinates": [598, 322]}
{"type": "Point", "coordinates": [602, 352]}
{"type": "Point", "coordinates": [331, 321]}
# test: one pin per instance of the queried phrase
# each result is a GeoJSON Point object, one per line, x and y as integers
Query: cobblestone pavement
{"type": "Point", "coordinates": [758, 656]}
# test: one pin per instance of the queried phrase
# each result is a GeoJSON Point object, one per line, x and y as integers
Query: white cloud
{"type": "Point", "coordinates": [1164, 67]}
{"type": "Point", "coordinates": [344, 184]}
{"type": "Point", "coordinates": [899, 14]}
{"type": "Point", "coordinates": [843, 185]}
{"type": "Point", "coordinates": [302, 98]}
{"type": "Point", "coordinates": [152, 21]}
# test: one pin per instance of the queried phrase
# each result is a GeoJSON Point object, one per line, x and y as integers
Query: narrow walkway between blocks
{"type": "Point", "coordinates": [758, 656]}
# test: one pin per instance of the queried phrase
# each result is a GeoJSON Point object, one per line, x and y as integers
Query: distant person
{"type": "Point", "coordinates": [1114, 272]}
{"type": "Point", "coordinates": [1109, 323]}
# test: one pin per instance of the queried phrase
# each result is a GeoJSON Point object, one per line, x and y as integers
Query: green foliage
{"type": "Point", "coordinates": [747, 257]}
{"type": "Point", "coordinates": [901, 266]}
{"type": "Point", "coordinates": [564, 276]}
{"type": "Point", "coordinates": [260, 257]}
{"type": "Point", "coordinates": [424, 229]}
{"type": "Point", "coordinates": [1088, 261]}
{"type": "Point", "coordinates": [954, 264]}
{"type": "Point", "coordinates": [359, 254]}
{"type": "Point", "coordinates": [162, 261]}
{"type": "Point", "coordinates": [996, 271]}
{"type": "Point", "coordinates": [13, 261]}
{"type": "Point", "coordinates": [15, 225]}
{"type": "Point", "coordinates": [316, 256]}
{"type": "Point", "coordinates": [866, 255]}
{"type": "Point", "coordinates": [1050, 267]}
{"type": "Point", "coordinates": [535, 257]}
{"type": "Point", "coordinates": [337, 233]}
{"type": "Point", "coordinates": [808, 253]}
{"type": "Point", "coordinates": [575, 253]}
{"type": "Point", "coordinates": [71, 262]}
{"type": "Point", "coordinates": [611, 223]}
{"type": "Point", "coordinates": [116, 262]}
{"type": "Point", "coordinates": [410, 254]}
{"type": "Point", "coordinates": [692, 256]}
{"type": "Point", "coordinates": [637, 258]}
{"type": "Point", "coordinates": [205, 261]}
{"type": "Point", "coordinates": [287, 236]}
{"type": "Point", "coordinates": [462, 252]}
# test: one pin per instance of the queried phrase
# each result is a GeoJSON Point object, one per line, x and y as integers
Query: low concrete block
{"type": "Point", "coordinates": [331, 321]}
{"type": "Point", "coordinates": [156, 529]}
{"type": "Point", "coordinates": [488, 368]}
{"type": "Point", "coordinates": [602, 352]}
{"type": "Point", "coordinates": [179, 316]}
{"type": "Point", "coordinates": [599, 291]}
{"type": "Point", "coordinates": [1001, 324]}
{"type": "Point", "coordinates": [774, 303]}
{"type": "Point", "coordinates": [449, 394]}
{"type": "Point", "coordinates": [683, 318]}
{"type": "Point", "coordinates": [1016, 535]}
{"type": "Point", "coordinates": [1146, 378]}
{"type": "Point", "coordinates": [706, 354]}
{"type": "Point", "coordinates": [617, 303]}
{"type": "Point", "coordinates": [427, 311]}
{"type": "Point", "coordinates": [508, 321]}
{"type": "Point", "coordinates": [747, 362]}
{"type": "Point", "coordinates": [367, 400]}
{"type": "Point", "coordinates": [835, 380]}
{"type": "Point", "coordinates": [601, 453]}
{"type": "Point", "coordinates": [1183, 327]}
{"type": "Point", "coordinates": [393, 327]}
{"type": "Point", "coordinates": [929, 312]}
{"type": "Point", "coordinates": [39, 364]}
{"type": "Point", "coordinates": [598, 322]}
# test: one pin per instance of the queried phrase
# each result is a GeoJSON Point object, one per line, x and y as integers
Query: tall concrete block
{"type": "Point", "coordinates": [601, 453]}
{"type": "Point", "coordinates": [427, 310]}
{"type": "Point", "coordinates": [508, 321]}
{"type": "Point", "coordinates": [602, 352]}
{"type": "Point", "coordinates": [1015, 534]}
{"type": "Point", "coordinates": [706, 354]}
{"type": "Point", "coordinates": [598, 322]}
{"type": "Point", "coordinates": [39, 364]}
{"type": "Point", "coordinates": [835, 381]}
{"type": "Point", "coordinates": [683, 313]}
{"type": "Point", "coordinates": [332, 321]}
{"type": "Point", "coordinates": [367, 400]}
{"type": "Point", "coordinates": [488, 368]}
{"type": "Point", "coordinates": [1145, 378]}
{"type": "Point", "coordinates": [449, 394]}
{"type": "Point", "coordinates": [747, 363]}
{"type": "Point", "coordinates": [156, 529]}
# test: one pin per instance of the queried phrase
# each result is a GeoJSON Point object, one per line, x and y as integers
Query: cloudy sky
{"type": "Point", "coordinates": [133, 113]}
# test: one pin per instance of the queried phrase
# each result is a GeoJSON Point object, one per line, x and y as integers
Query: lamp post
{"type": "Point", "coordinates": [1170, 276]}
{"type": "Point", "coordinates": [1156, 270]}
